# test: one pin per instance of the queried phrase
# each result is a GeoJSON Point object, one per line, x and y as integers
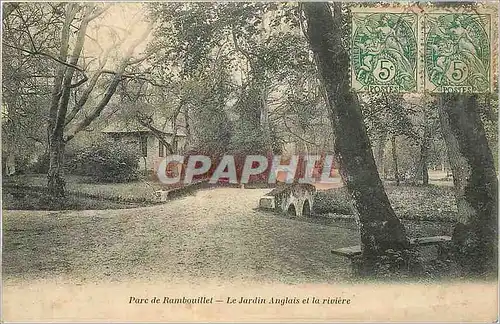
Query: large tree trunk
{"type": "Point", "coordinates": [55, 181]}
{"type": "Point", "coordinates": [458, 164]}
{"type": "Point", "coordinates": [380, 228]}
{"type": "Point", "coordinates": [476, 185]}
{"type": "Point", "coordinates": [62, 92]}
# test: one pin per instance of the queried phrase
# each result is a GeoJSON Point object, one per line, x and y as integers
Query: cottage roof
{"type": "Point", "coordinates": [133, 126]}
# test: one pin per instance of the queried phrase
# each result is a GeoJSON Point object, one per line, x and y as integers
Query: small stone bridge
{"type": "Point", "coordinates": [295, 200]}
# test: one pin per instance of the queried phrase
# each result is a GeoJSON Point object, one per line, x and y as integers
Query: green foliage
{"type": "Point", "coordinates": [188, 32]}
{"type": "Point", "coordinates": [418, 203]}
{"type": "Point", "coordinates": [248, 136]}
{"type": "Point", "coordinates": [207, 96]}
{"type": "Point", "coordinates": [335, 201]}
{"type": "Point", "coordinates": [488, 110]}
{"type": "Point", "coordinates": [260, 53]}
{"type": "Point", "coordinates": [389, 114]}
{"type": "Point", "coordinates": [27, 79]}
{"type": "Point", "coordinates": [106, 162]}
{"type": "Point", "coordinates": [41, 164]}
{"type": "Point", "coordinates": [415, 121]}
{"type": "Point", "coordinates": [212, 129]}
{"type": "Point", "coordinates": [38, 198]}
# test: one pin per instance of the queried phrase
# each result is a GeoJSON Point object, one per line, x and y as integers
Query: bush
{"type": "Point", "coordinates": [41, 165]}
{"type": "Point", "coordinates": [106, 162]}
{"type": "Point", "coordinates": [335, 201]}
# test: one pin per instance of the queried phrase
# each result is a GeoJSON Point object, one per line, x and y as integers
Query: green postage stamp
{"type": "Point", "coordinates": [457, 52]}
{"type": "Point", "coordinates": [421, 49]}
{"type": "Point", "coordinates": [384, 52]}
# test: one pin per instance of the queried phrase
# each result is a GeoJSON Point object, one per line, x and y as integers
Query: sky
{"type": "Point", "coordinates": [114, 24]}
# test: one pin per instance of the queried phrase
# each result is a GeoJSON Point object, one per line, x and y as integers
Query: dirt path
{"type": "Point", "coordinates": [85, 266]}
{"type": "Point", "coordinates": [213, 235]}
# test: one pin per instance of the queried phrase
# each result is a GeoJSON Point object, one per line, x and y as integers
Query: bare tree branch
{"type": "Point", "coordinates": [79, 83]}
{"type": "Point", "coordinates": [147, 121]}
{"type": "Point", "coordinates": [97, 13]}
{"type": "Point", "coordinates": [140, 59]}
{"type": "Point", "coordinates": [86, 93]}
{"type": "Point", "coordinates": [71, 11]}
{"type": "Point", "coordinates": [46, 55]}
{"type": "Point", "coordinates": [112, 87]}
{"type": "Point", "coordinates": [8, 8]}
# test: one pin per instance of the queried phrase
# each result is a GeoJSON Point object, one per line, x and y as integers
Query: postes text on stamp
{"type": "Point", "coordinates": [384, 52]}
{"type": "Point", "coordinates": [457, 53]}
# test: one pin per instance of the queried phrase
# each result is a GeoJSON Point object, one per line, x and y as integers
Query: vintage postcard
{"type": "Point", "coordinates": [249, 162]}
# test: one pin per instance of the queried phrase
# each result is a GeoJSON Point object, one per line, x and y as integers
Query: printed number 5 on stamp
{"type": "Point", "coordinates": [457, 55]}
{"type": "Point", "coordinates": [384, 52]}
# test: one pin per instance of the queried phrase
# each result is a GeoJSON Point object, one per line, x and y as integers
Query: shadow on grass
{"type": "Point", "coordinates": [15, 197]}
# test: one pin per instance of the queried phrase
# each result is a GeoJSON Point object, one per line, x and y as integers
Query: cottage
{"type": "Point", "coordinates": [151, 150]}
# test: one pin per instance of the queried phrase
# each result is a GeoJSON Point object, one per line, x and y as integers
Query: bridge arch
{"type": "Point", "coordinates": [306, 208]}
{"type": "Point", "coordinates": [295, 200]}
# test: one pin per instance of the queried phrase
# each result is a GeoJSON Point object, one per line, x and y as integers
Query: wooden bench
{"type": "Point", "coordinates": [353, 251]}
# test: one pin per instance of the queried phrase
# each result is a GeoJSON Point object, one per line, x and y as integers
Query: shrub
{"type": "Point", "coordinates": [106, 162]}
{"type": "Point", "coordinates": [335, 201]}
{"type": "Point", "coordinates": [41, 164]}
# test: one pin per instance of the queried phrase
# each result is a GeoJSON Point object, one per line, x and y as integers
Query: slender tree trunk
{"type": "Point", "coordinates": [380, 228]}
{"type": "Point", "coordinates": [476, 236]}
{"type": "Point", "coordinates": [423, 172]}
{"type": "Point", "coordinates": [10, 160]}
{"type": "Point", "coordinates": [395, 160]}
{"type": "Point", "coordinates": [264, 119]}
{"type": "Point", "coordinates": [425, 143]}
{"type": "Point", "coordinates": [8, 146]}
{"type": "Point", "coordinates": [380, 154]}
{"type": "Point", "coordinates": [56, 183]}
{"type": "Point", "coordinates": [187, 142]}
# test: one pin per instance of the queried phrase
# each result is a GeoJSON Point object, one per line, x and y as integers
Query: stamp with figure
{"type": "Point", "coordinates": [384, 52]}
{"type": "Point", "coordinates": [457, 52]}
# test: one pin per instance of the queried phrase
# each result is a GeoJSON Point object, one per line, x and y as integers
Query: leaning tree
{"type": "Point", "coordinates": [380, 228]}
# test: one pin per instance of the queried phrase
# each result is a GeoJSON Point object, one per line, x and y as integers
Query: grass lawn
{"type": "Point", "coordinates": [29, 192]}
{"type": "Point", "coordinates": [410, 202]}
